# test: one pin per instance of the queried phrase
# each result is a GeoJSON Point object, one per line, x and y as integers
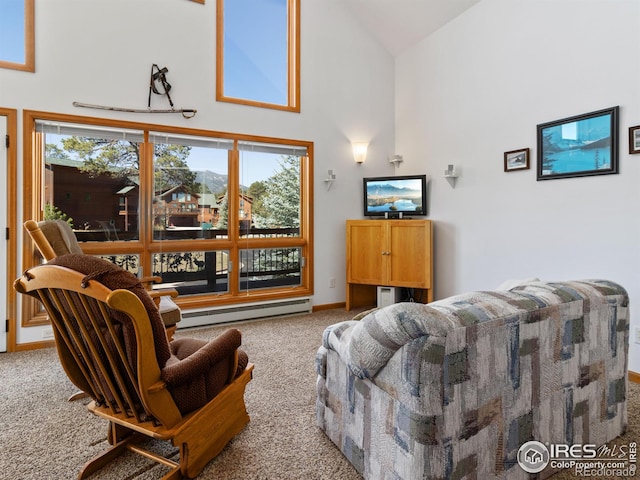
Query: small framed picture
{"type": "Point", "coordinates": [516, 160]}
{"type": "Point", "coordinates": [634, 139]}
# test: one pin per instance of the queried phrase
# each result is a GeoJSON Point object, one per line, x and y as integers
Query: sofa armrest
{"type": "Point", "coordinates": [367, 345]}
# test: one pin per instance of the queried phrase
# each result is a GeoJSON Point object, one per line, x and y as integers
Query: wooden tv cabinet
{"type": "Point", "coordinates": [390, 253]}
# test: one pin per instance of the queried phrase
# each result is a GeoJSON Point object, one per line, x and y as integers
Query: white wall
{"type": "Point", "coordinates": [101, 52]}
{"type": "Point", "coordinates": [476, 89]}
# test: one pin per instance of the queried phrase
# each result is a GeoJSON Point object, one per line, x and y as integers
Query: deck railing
{"type": "Point", "coordinates": [208, 271]}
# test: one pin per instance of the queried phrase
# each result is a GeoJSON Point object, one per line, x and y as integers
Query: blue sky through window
{"type": "Point", "coordinates": [256, 50]}
{"type": "Point", "coordinates": [12, 31]}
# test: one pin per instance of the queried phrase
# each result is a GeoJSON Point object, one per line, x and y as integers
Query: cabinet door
{"type": "Point", "coordinates": [410, 254]}
{"type": "Point", "coordinates": [365, 242]}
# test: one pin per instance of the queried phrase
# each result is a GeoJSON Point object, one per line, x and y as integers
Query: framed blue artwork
{"type": "Point", "coordinates": [579, 146]}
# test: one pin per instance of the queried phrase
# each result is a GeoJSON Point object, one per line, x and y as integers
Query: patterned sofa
{"type": "Point", "coordinates": [452, 389]}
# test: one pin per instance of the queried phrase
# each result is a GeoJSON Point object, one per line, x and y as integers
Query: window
{"type": "Point", "coordinates": [270, 205]}
{"type": "Point", "coordinates": [258, 53]}
{"type": "Point", "coordinates": [17, 35]}
{"type": "Point", "coordinates": [91, 179]}
{"type": "Point", "coordinates": [218, 217]}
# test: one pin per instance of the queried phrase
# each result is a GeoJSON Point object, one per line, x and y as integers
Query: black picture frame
{"type": "Point", "coordinates": [516, 160]}
{"type": "Point", "coordinates": [579, 146]}
{"type": "Point", "coordinates": [634, 140]}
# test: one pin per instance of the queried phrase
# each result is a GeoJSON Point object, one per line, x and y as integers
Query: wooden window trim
{"type": "Point", "coordinates": [12, 221]}
{"type": "Point", "coordinates": [29, 41]}
{"type": "Point", "coordinates": [293, 61]}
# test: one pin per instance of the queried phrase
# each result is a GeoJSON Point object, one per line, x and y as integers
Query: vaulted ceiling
{"type": "Point", "coordinates": [399, 24]}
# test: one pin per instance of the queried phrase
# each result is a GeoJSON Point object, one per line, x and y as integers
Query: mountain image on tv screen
{"type": "Point", "coordinates": [394, 196]}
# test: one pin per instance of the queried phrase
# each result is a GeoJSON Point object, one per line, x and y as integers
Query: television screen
{"type": "Point", "coordinates": [395, 197]}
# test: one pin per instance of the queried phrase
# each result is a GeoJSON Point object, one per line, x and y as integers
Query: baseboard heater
{"type": "Point", "coordinates": [242, 312]}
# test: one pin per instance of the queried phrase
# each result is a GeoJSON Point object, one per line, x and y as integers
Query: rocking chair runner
{"type": "Point", "coordinates": [112, 345]}
{"type": "Point", "coordinates": [55, 237]}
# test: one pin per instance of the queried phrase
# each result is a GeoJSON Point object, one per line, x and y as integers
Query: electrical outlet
{"type": "Point", "coordinates": [636, 335]}
{"type": "Point", "coordinates": [47, 334]}
{"type": "Point", "coordinates": [332, 283]}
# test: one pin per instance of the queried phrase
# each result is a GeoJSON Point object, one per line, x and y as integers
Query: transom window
{"type": "Point", "coordinates": [258, 53]}
{"type": "Point", "coordinates": [220, 218]}
{"type": "Point", "coordinates": [17, 35]}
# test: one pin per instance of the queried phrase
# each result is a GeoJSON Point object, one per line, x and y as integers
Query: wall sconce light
{"type": "Point", "coordinates": [360, 151]}
{"type": "Point", "coordinates": [450, 171]}
{"type": "Point", "coordinates": [396, 160]}
{"type": "Point", "coordinates": [331, 177]}
{"type": "Point", "coordinates": [451, 174]}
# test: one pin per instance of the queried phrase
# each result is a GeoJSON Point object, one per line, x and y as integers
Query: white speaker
{"type": "Point", "coordinates": [388, 296]}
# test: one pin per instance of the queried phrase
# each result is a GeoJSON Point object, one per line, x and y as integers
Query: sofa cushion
{"type": "Point", "coordinates": [60, 237]}
{"type": "Point", "coordinates": [198, 370]}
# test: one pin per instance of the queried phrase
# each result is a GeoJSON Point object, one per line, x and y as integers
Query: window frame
{"type": "Point", "coordinates": [29, 64]}
{"type": "Point", "coordinates": [11, 116]}
{"type": "Point", "coordinates": [293, 61]}
{"type": "Point", "coordinates": [146, 246]}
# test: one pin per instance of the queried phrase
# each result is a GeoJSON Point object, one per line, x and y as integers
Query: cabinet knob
{"type": "Point", "coordinates": [386, 253]}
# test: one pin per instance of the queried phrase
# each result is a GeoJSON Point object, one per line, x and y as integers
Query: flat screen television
{"type": "Point", "coordinates": [395, 197]}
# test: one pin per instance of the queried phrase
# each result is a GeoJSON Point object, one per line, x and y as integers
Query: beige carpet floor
{"type": "Point", "coordinates": [42, 436]}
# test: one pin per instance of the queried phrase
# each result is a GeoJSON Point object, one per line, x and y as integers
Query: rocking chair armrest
{"type": "Point", "coordinates": [153, 279]}
{"type": "Point", "coordinates": [163, 293]}
{"type": "Point", "coordinates": [191, 364]}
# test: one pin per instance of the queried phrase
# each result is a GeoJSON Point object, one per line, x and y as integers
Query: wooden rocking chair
{"type": "Point", "coordinates": [112, 345]}
{"type": "Point", "coordinates": [55, 237]}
